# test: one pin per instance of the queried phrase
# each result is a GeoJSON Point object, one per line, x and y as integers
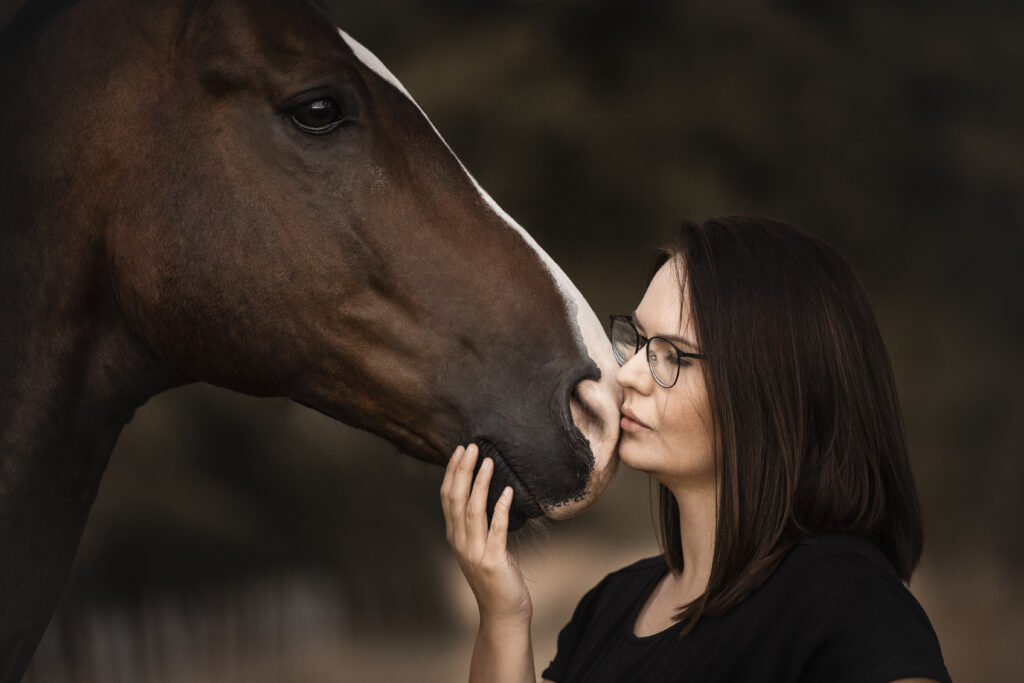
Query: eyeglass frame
{"type": "Point", "coordinates": [642, 342]}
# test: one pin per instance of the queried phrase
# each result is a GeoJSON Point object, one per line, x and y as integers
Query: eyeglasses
{"type": "Point", "coordinates": [663, 357]}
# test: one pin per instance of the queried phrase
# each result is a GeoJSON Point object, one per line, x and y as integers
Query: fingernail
{"type": "Point", "coordinates": [507, 493]}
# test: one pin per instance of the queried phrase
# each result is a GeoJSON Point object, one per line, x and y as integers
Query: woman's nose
{"type": "Point", "coordinates": [634, 374]}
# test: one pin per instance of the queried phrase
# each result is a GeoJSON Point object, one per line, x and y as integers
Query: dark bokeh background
{"type": "Point", "coordinates": [893, 130]}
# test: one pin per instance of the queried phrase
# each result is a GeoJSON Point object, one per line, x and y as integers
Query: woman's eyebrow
{"type": "Point", "coordinates": [671, 337]}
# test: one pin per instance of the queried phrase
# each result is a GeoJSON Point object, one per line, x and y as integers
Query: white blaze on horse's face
{"type": "Point", "coordinates": [603, 396]}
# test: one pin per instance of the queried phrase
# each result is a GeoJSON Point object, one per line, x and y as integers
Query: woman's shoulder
{"type": "Point", "coordinates": [863, 615]}
{"type": "Point", "coordinates": [840, 581]}
{"type": "Point", "coordinates": [837, 562]}
{"type": "Point", "coordinates": [840, 545]}
{"type": "Point", "coordinates": [851, 585]}
{"type": "Point", "coordinates": [839, 573]}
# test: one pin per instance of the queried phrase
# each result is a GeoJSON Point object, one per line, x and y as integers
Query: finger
{"type": "Point", "coordinates": [449, 471]}
{"type": "Point", "coordinates": [449, 475]}
{"type": "Point", "coordinates": [462, 477]}
{"type": "Point", "coordinates": [497, 539]}
{"type": "Point", "coordinates": [458, 497]}
{"type": "Point", "coordinates": [446, 486]}
{"type": "Point", "coordinates": [476, 510]}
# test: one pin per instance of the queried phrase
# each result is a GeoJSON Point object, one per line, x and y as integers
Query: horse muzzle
{"type": "Point", "coordinates": [524, 505]}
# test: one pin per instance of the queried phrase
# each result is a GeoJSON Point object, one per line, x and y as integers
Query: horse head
{"type": "Point", "coordinates": [268, 210]}
{"type": "Point", "coordinates": [237, 192]}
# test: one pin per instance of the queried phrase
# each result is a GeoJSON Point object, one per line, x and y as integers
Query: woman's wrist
{"type": "Point", "coordinates": [505, 620]}
{"type": "Point", "coordinates": [503, 652]}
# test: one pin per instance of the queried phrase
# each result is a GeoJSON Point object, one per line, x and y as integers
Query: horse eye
{"type": "Point", "coordinates": [317, 116]}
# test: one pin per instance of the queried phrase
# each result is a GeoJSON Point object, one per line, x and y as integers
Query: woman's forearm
{"type": "Point", "coordinates": [503, 653]}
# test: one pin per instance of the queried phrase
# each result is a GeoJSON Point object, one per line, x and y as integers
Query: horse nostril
{"type": "Point", "coordinates": [584, 415]}
{"type": "Point", "coordinates": [593, 437]}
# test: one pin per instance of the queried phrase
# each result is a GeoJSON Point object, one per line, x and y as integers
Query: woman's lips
{"type": "Point", "coordinates": [630, 423]}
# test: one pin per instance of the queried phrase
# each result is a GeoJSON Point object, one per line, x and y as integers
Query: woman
{"type": "Point", "coordinates": [758, 393]}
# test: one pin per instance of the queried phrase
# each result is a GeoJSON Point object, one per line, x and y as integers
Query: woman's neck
{"type": "Point", "coordinates": [698, 517]}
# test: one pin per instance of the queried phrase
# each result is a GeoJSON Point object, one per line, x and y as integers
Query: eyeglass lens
{"type": "Point", "coordinates": [661, 355]}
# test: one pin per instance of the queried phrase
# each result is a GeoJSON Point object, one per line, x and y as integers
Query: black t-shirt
{"type": "Point", "coordinates": [834, 611]}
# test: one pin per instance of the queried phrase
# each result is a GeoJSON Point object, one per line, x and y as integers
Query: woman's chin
{"type": "Point", "coordinates": [630, 454]}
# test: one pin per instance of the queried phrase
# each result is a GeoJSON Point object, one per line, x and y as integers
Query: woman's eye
{"type": "Point", "coordinates": [672, 358]}
{"type": "Point", "coordinates": [665, 357]}
{"type": "Point", "coordinates": [317, 116]}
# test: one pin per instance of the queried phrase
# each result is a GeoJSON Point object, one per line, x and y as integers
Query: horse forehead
{"type": "Point", "coordinates": [371, 62]}
{"type": "Point", "coordinates": [588, 331]}
{"type": "Point", "coordinates": [257, 34]}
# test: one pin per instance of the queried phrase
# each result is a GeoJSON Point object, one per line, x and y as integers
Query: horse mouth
{"type": "Point", "coordinates": [524, 504]}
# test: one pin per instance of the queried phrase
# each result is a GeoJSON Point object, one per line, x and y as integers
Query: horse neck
{"type": "Point", "coordinates": [72, 372]}
{"type": "Point", "coordinates": [70, 368]}
{"type": "Point", "coordinates": [71, 375]}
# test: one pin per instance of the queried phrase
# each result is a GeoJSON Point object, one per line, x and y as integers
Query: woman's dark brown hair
{"type": "Point", "coordinates": [803, 404]}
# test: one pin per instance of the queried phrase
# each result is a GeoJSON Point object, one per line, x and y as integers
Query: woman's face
{"type": "Point", "coordinates": [669, 435]}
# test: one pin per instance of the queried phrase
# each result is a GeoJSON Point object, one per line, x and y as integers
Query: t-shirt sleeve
{"type": "Point", "coordinates": [569, 636]}
{"type": "Point", "coordinates": [877, 633]}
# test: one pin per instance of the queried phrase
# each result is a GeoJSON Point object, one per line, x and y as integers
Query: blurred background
{"type": "Point", "coordinates": [244, 539]}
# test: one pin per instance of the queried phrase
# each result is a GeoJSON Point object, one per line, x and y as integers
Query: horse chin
{"type": "Point", "coordinates": [524, 504]}
{"type": "Point", "coordinates": [599, 483]}
{"type": "Point", "coordinates": [526, 509]}
{"type": "Point", "coordinates": [516, 520]}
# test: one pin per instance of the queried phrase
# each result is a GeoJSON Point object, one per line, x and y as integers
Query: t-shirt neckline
{"type": "Point", "coordinates": [635, 612]}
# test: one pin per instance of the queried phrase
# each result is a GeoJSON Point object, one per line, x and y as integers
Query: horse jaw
{"type": "Point", "coordinates": [595, 403]}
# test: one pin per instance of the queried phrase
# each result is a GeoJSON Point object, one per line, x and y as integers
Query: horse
{"type": "Point", "coordinates": [238, 192]}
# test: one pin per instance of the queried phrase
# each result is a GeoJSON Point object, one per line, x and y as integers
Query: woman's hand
{"type": "Point", "coordinates": [501, 594]}
{"type": "Point", "coordinates": [503, 651]}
